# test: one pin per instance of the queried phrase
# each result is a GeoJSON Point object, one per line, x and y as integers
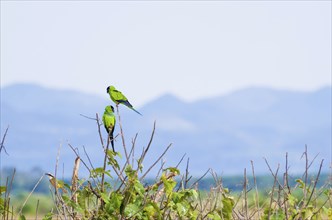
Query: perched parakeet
{"type": "Point", "coordinates": [118, 98]}
{"type": "Point", "coordinates": [109, 122]}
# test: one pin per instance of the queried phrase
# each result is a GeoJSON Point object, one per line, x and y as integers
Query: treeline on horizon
{"type": "Point", "coordinates": [24, 181]}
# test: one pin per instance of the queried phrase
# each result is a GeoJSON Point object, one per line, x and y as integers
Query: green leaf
{"type": "Point", "coordinates": [48, 216]}
{"type": "Point", "coordinates": [2, 189]}
{"type": "Point", "coordinates": [111, 153]}
{"type": "Point", "coordinates": [307, 213]}
{"type": "Point", "coordinates": [131, 209]}
{"type": "Point", "coordinates": [193, 214]}
{"type": "Point", "coordinates": [139, 188]}
{"type": "Point", "coordinates": [65, 198]}
{"type": "Point", "coordinates": [22, 217]}
{"type": "Point", "coordinates": [130, 172]}
{"type": "Point", "coordinates": [119, 155]}
{"type": "Point", "coordinates": [152, 211]}
{"type": "Point", "coordinates": [301, 183]}
{"type": "Point", "coordinates": [292, 200]}
{"type": "Point", "coordinates": [67, 186]}
{"type": "Point", "coordinates": [99, 171]}
{"type": "Point", "coordinates": [174, 170]}
{"type": "Point", "coordinates": [96, 172]}
{"type": "Point", "coordinates": [168, 183]}
{"type": "Point", "coordinates": [181, 209]}
{"type": "Point", "coordinates": [140, 167]}
{"type": "Point", "coordinates": [328, 212]}
{"type": "Point", "coordinates": [105, 198]}
{"type": "Point", "coordinates": [114, 202]}
{"type": "Point", "coordinates": [111, 160]}
{"type": "Point", "coordinates": [214, 216]}
{"type": "Point", "coordinates": [228, 203]}
{"type": "Point", "coordinates": [193, 193]}
{"type": "Point", "coordinates": [81, 181]}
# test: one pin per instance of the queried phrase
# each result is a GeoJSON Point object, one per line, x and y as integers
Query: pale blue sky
{"type": "Point", "coordinates": [193, 49]}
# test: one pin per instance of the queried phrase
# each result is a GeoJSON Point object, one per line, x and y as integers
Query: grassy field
{"type": "Point", "coordinates": [38, 204]}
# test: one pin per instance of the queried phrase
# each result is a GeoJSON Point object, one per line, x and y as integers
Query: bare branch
{"type": "Point", "coordinates": [186, 179]}
{"type": "Point", "coordinates": [199, 179]}
{"type": "Point", "coordinates": [272, 192]}
{"type": "Point", "coordinates": [74, 179]}
{"type": "Point", "coordinates": [256, 189]}
{"type": "Point", "coordinates": [142, 177]}
{"type": "Point", "coordinates": [177, 165]}
{"type": "Point", "coordinates": [122, 135]}
{"type": "Point", "coordinates": [40, 179]}
{"type": "Point", "coordinates": [2, 146]}
{"type": "Point", "coordinates": [245, 181]}
{"type": "Point", "coordinates": [276, 178]}
{"type": "Point", "coordinates": [305, 173]}
{"type": "Point", "coordinates": [316, 180]}
{"type": "Point", "coordinates": [99, 131]}
{"type": "Point", "coordinates": [37, 209]}
{"type": "Point", "coordinates": [141, 159]}
{"type": "Point", "coordinates": [151, 138]}
{"type": "Point", "coordinates": [131, 154]}
{"type": "Point", "coordinates": [77, 155]}
{"type": "Point", "coordinates": [56, 168]}
{"type": "Point", "coordinates": [160, 169]}
{"type": "Point", "coordinates": [88, 117]}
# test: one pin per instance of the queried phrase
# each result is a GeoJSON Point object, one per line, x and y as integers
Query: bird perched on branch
{"type": "Point", "coordinates": [56, 183]}
{"type": "Point", "coordinates": [118, 98]}
{"type": "Point", "coordinates": [109, 122]}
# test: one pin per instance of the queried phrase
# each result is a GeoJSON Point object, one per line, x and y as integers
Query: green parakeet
{"type": "Point", "coordinates": [118, 98]}
{"type": "Point", "coordinates": [109, 122]}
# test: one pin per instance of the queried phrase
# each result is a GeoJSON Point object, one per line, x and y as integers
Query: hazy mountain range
{"type": "Point", "coordinates": [224, 133]}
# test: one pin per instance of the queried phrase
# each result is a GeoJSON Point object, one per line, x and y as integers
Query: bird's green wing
{"type": "Point", "coordinates": [117, 96]}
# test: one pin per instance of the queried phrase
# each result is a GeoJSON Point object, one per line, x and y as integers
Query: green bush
{"type": "Point", "coordinates": [116, 191]}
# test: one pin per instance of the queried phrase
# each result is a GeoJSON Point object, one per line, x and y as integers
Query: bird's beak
{"type": "Point", "coordinates": [50, 175]}
{"type": "Point", "coordinates": [108, 89]}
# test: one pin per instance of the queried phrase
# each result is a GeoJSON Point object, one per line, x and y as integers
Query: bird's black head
{"type": "Point", "coordinates": [48, 174]}
{"type": "Point", "coordinates": [108, 89]}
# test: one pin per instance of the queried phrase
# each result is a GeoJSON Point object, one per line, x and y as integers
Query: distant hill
{"type": "Point", "coordinates": [223, 133]}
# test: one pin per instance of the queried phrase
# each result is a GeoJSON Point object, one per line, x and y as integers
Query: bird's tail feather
{"type": "Point", "coordinates": [136, 111]}
{"type": "Point", "coordinates": [111, 138]}
{"type": "Point", "coordinates": [112, 142]}
{"type": "Point", "coordinates": [126, 103]}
